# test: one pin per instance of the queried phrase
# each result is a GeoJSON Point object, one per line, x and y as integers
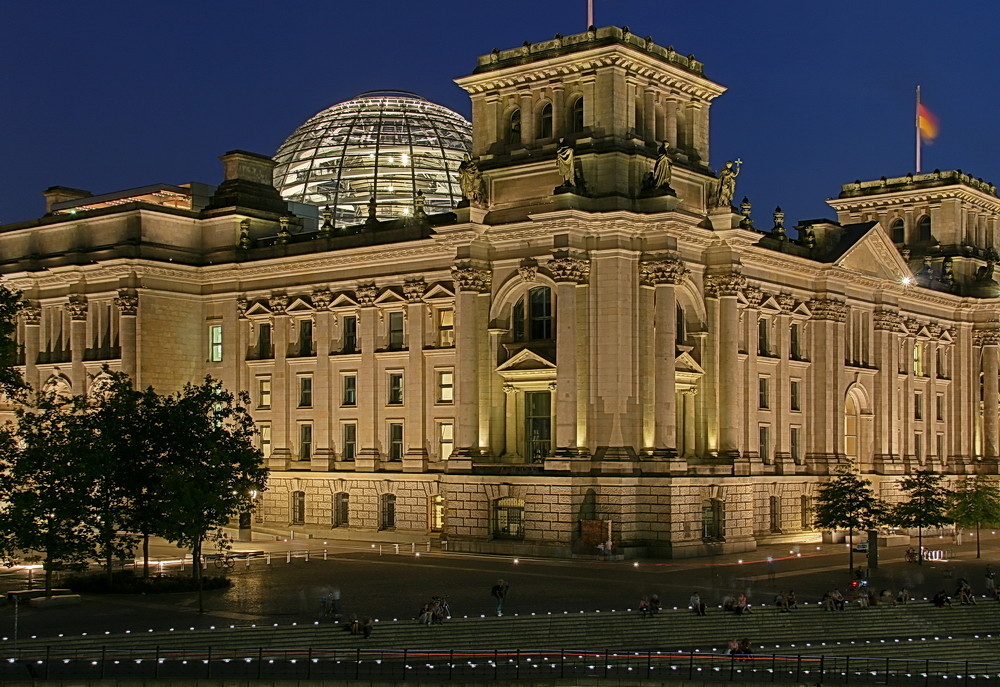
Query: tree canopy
{"type": "Point", "coordinates": [848, 502]}
{"type": "Point", "coordinates": [927, 505]}
{"type": "Point", "coordinates": [975, 502]}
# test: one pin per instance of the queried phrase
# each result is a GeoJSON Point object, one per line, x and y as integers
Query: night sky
{"type": "Point", "coordinates": [106, 95]}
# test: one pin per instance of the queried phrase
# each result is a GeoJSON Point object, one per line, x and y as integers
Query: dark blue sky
{"type": "Point", "coordinates": [111, 95]}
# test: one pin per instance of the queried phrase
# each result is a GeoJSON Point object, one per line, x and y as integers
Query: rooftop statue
{"type": "Point", "coordinates": [566, 162]}
{"type": "Point", "coordinates": [727, 184]}
{"type": "Point", "coordinates": [470, 179]}
{"type": "Point", "coordinates": [662, 168]}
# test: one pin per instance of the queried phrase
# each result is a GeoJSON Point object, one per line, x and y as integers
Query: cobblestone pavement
{"type": "Point", "coordinates": [288, 589]}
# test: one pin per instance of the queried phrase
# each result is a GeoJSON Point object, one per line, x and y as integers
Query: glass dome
{"type": "Point", "coordinates": [387, 144]}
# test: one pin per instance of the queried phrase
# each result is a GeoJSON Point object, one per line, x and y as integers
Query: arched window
{"type": "Point", "coordinates": [924, 229]}
{"type": "Point", "coordinates": [576, 123]}
{"type": "Point", "coordinates": [712, 520]}
{"type": "Point", "coordinates": [897, 232]}
{"type": "Point", "coordinates": [514, 127]}
{"type": "Point", "coordinates": [341, 509]}
{"type": "Point", "coordinates": [298, 507]}
{"type": "Point", "coordinates": [545, 121]}
{"type": "Point", "coordinates": [806, 512]}
{"type": "Point", "coordinates": [532, 315]}
{"type": "Point", "coordinates": [509, 518]}
{"type": "Point", "coordinates": [387, 512]}
{"type": "Point", "coordinates": [775, 507]}
{"type": "Point", "coordinates": [437, 513]}
{"type": "Point", "coordinates": [851, 420]}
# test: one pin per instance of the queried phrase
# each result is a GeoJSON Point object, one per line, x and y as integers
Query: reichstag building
{"type": "Point", "coordinates": [550, 328]}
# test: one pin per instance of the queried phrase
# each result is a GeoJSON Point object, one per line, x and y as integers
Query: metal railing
{"type": "Point", "coordinates": [103, 662]}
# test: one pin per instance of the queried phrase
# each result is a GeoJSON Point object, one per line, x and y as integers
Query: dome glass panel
{"type": "Point", "coordinates": [386, 144]}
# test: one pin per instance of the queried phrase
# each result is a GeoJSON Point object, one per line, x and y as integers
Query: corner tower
{"type": "Point", "coordinates": [610, 94]}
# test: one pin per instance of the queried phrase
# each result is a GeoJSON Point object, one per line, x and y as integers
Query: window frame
{"type": "Point", "coordinates": [305, 391]}
{"type": "Point", "coordinates": [445, 391]}
{"type": "Point", "coordinates": [444, 441]}
{"type": "Point", "coordinates": [349, 340]}
{"type": "Point", "coordinates": [215, 351]}
{"type": "Point", "coordinates": [387, 511]}
{"type": "Point", "coordinates": [394, 388]}
{"type": "Point", "coordinates": [297, 508]}
{"type": "Point", "coordinates": [349, 390]}
{"type": "Point", "coordinates": [394, 441]}
{"type": "Point", "coordinates": [264, 397]}
{"type": "Point", "coordinates": [348, 444]}
{"type": "Point", "coordinates": [305, 440]}
{"type": "Point", "coordinates": [395, 331]}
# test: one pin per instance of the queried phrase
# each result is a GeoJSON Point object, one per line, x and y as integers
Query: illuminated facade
{"type": "Point", "coordinates": [572, 348]}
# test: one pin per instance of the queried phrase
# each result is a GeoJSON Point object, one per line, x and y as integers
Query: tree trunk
{"type": "Point", "coordinates": [198, 574]}
{"type": "Point", "coordinates": [48, 573]}
{"type": "Point", "coordinates": [850, 548]}
{"type": "Point", "coordinates": [920, 545]}
{"type": "Point", "coordinates": [979, 553]}
{"type": "Point", "coordinates": [145, 556]}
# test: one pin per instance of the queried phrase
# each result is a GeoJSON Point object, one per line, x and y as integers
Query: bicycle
{"type": "Point", "coordinates": [225, 561]}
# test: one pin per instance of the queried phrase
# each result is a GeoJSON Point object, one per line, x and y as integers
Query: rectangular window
{"type": "Point", "coordinates": [264, 340]}
{"type": "Point", "coordinates": [395, 441]}
{"type": "Point", "coordinates": [446, 328]}
{"type": "Point", "coordinates": [446, 386]}
{"type": "Point", "coordinates": [918, 447]}
{"type": "Point", "coordinates": [306, 338]}
{"type": "Point", "coordinates": [918, 406]}
{"type": "Point", "coordinates": [794, 395]}
{"type": "Point", "coordinates": [939, 407]}
{"type": "Point", "coordinates": [446, 440]}
{"type": "Point", "coordinates": [350, 335]}
{"type": "Point", "coordinates": [305, 441]}
{"type": "Point", "coordinates": [762, 338]}
{"type": "Point", "coordinates": [264, 433]}
{"type": "Point", "coordinates": [940, 447]}
{"type": "Point", "coordinates": [681, 327]}
{"type": "Point", "coordinates": [350, 396]}
{"type": "Point", "coordinates": [395, 331]}
{"type": "Point", "coordinates": [215, 343]}
{"type": "Point", "coordinates": [764, 443]}
{"type": "Point", "coordinates": [794, 343]}
{"type": "Point", "coordinates": [763, 400]}
{"type": "Point", "coordinates": [395, 388]}
{"type": "Point", "coordinates": [793, 444]}
{"type": "Point", "coordinates": [350, 441]}
{"type": "Point", "coordinates": [305, 392]}
{"type": "Point", "coordinates": [264, 392]}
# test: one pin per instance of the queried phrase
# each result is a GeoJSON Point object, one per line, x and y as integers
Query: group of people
{"type": "Point", "coordinates": [739, 604]}
{"type": "Point", "coordinates": [739, 647]}
{"type": "Point", "coordinates": [649, 605]}
{"type": "Point", "coordinates": [361, 626]}
{"type": "Point", "coordinates": [786, 601]}
{"type": "Point", "coordinates": [434, 612]}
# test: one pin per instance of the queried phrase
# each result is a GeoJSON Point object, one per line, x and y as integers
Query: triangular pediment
{"type": "Point", "coordinates": [390, 295]}
{"type": "Point", "coordinates": [802, 309]}
{"type": "Point", "coordinates": [259, 308]}
{"type": "Point", "coordinates": [875, 255]}
{"type": "Point", "coordinates": [525, 360]}
{"type": "Point", "coordinates": [685, 363]}
{"type": "Point", "coordinates": [770, 305]}
{"type": "Point", "coordinates": [342, 300]}
{"type": "Point", "coordinates": [439, 292]}
{"type": "Point", "coordinates": [299, 304]}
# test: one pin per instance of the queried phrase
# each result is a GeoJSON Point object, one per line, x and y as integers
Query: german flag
{"type": "Point", "coordinates": [927, 123]}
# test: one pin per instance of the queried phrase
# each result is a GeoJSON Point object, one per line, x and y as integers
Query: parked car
{"type": "Point", "coordinates": [861, 546]}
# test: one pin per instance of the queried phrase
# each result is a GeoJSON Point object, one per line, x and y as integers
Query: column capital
{"type": "Point", "coordinates": [730, 284]}
{"type": "Point", "coordinates": [30, 313]}
{"type": "Point", "coordinates": [754, 296]}
{"type": "Point", "coordinates": [828, 309]}
{"type": "Point", "coordinates": [77, 307]}
{"type": "Point", "coordinates": [413, 290]}
{"type": "Point", "coordinates": [366, 294]}
{"type": "Point", "coordinates": [127, 302]}
{"type": "Point", "coordinates": [887, 321]}
{"type": "Point", "coordinates": [986, 337]}
{"type": "Point", "coordinates": [278, 302]}
{"type": "Point", "coordinates": [568, 269]}
{"type": "Point", "coordinates": [321, 299]}
{"type": "Point", "coordinates": [786, 302]}
{"type": "Point", "coordinates": [663, 271]}
{"type": "Point", "coordinates": [470, 278]}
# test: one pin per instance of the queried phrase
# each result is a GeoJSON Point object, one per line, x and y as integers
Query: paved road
{"type": "Point", "coordinates": [393, 586]}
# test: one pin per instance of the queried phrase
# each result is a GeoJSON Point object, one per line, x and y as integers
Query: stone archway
{"type": "Point", "coordinates": [857, 438]}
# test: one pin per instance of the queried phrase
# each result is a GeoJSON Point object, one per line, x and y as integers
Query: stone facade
{"type": "Point", "coordinates": [559, 353]}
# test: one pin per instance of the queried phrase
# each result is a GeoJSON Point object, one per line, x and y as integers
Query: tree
{"type": "Point", "coordinates": [848, 502]}
{"type": "Point", "coordinates": [11, 382]}
{"type": "Point", "coordinates": [46, 485]}
{"type": "Point", "coordinates": [211, 464]}
{"type": "Point", "coordinates": [927, 505]}
{"type": "Point", "coordinates": [975, 502]}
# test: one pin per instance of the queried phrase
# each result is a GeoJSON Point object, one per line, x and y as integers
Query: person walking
{"type": "Point", "coordinates": [499, 592]}
{"type": "Point", "coordinates": [991, 587]}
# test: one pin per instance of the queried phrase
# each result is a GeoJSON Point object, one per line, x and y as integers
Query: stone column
{"type": "Point", "coordinates": [128, 305]}
{"type": "Point", "coordinates": [417, 386]}
{"type": "Point", "coordinates": [689, 424]}
{"type": "Point", "coordinates": [324, 384]}
{"type": "Point", "coordinates": [826, 398]}
{"type": "Point", "coordinates": [888, 326]}
{"type": "Point", "coordinates": [670, 131]}
{"type": "Point", "coordinates": [527, 119]}
{"type": "Point", "coordinates": [371, 391]}
{"type": "Point", "coordinates": [648, 114]}
{"type": "Point", "coordinates": [558, 111]}
{"type": "Point", "coordinates": [726, 288]}
{"type": "Point", "coordinates": [244, 333]}
{"type": "Point", "coordinates": [283, 432]}
{"type": "Point", "coordinates": [31, 316]}
{"type": "Point", "coordinates": [989, 339]}
{"type": "Point", "coordinates": [568, 274]}
{"type": "Point", "coordinates": [471, 284]}
{"type": "Point", "coordinates": [77, 308]}
{"type": "Point", "coordinates": [664, 276]}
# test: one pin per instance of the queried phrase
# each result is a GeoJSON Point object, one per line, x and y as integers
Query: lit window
{"type": "Point", "coordinates": [264, 433]}
{"type": "Point", "coordinates": [395, 388]}
{"type": "Point", "coordinates": [532, 315]}
{"type": "Point", "coordinates": [437, 513]}
{"type": "Point", "coordinates": [264, 392]}
{"type": "Point", "coordinates": [446, 440]}
{"type": "Point", "coordinates": [446, 386]}
{"type": "Point", "coordinates": [446, 328]}
{"type": "Point", "coordinates": [215, 343]}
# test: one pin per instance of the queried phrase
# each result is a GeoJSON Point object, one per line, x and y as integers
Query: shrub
{"type": "Point", "coordinates": [127, 582]}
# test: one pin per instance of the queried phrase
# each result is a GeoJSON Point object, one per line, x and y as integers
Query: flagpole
{"type": "Point", "coordinates": [590, 14]}
{"type": "Point", "coordinates": [916, 122]}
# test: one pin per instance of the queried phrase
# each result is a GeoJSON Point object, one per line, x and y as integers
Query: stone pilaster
{"type": "Point", "coordinates": [569, 274]}
{"type": "Point", "coordinates": [127, 303]}
{"type": "Point", "coordinates": [78, 308]}
{"type": "Point", "coordinates": [325, 388]}
{"type": "Point", "coordinates": [369, 428]}
{"type": "Point", "coordinates": [472, 284]}
{"type": "Point", "coordinates": [887, 453]}
{"type": "Point", "coordinates": [725, 288]}
{"type": "Point", "coordinates": [417, 384]}
{"type": "Point", "coordinates": [989, 341]}
{"type": "Point", "coordinates": [828, 318]}
{"type": "Point", "coordinates": [283, 439]}
{"type": "Point", "coordinates": [31, 316]}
